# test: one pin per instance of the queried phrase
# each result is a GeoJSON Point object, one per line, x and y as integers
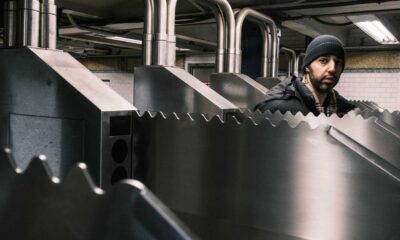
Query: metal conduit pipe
{"type": "Point", "coordinates": [256, 16]}
{"type": "Point", "coordinates": [297, 63]}
{"type": "Point", "coordinates": [28, 23]}
{"type": "Point", "coordinates": [293, 71]}
{"type": "Point", "coordinates": [48, 25]}
{"type": "Point", "coordinates": [171, 5]}
{"type": "Point", "coordinates": [10, 23]}
{"type": "Point", "coordinates": [240, 17]}
{"type": "Point", "coordinates": [266, 47]}
{"type": "Point", "coordinates": [229, 17]}
{"type": "Point", "coordinates": [160, 42]}
{"type": "Point", "coordinates": [148, 33]}
{"type": "Point", "coordinates": [221, 40]}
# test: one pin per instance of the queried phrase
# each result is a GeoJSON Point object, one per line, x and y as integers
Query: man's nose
{"type": "Point", "coordinates": [332, 66]}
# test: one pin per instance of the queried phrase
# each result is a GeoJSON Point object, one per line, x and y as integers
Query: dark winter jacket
{"type": "Point", "coordinates": [294, 96]}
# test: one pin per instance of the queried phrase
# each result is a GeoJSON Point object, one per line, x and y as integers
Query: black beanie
{"type": "Point", "coordinates": [323, 45]}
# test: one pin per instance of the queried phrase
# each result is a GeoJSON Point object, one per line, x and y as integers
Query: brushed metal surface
{"type": "Point", "coordinates": [50, 103]}
{"type": "Point", "coordinates": [170, 89]}
{"type": "Point", "coordinates": [235, 181]}
{"type": "Point", "coordinates": [268, 82]}
{"type": "Point", "coordinates": [238, 88]}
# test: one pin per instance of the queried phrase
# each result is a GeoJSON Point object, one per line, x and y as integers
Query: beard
{"type": "Point", "coordinates": [321, 86]}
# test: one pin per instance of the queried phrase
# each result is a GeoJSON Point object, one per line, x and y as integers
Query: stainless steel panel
{"type": "Point", "coordinates": [238, 88]}
{"type": "Point", "coordinates": [63, 110]}
{"type": "Point", "coordinates": [268, 82]}
{"type": "Point", "coordinates": [169, 89]}
{"type": "Point", "coordinates": [44, 135]}
{"type": "Point", "coordinates": [35, 205]}
{"type": "Point", "coordinates": [236, 181]}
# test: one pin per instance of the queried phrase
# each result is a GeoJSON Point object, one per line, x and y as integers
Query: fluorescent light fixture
{"type": "Point", "coordinates": [371, 25]}
{"type": "Point", "coordinates": [124, 39]}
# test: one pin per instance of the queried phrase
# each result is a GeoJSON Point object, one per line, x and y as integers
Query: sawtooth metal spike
{"type": "Point", "coordinates": [36, 205]}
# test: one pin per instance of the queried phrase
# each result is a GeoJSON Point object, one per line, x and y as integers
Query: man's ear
{"type": "Point", "coordinates": [306, 69]}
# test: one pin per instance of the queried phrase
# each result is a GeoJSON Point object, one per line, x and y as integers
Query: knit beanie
{"type": "Point", "coordinates": [323, 45]}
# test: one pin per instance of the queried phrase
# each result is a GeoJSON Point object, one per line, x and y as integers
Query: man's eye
{"type": "Point", "coordinates": [323, 60]}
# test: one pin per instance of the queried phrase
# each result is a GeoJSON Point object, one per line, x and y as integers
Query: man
{"type": "Point", "coordinates": [323, 64]}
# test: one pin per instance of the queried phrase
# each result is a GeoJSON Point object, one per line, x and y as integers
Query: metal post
{"type": "Point", "coordinates": [48, 30]}
{"type": "Point", "coordinates": [265, 50]}
{"type": "Point", "coordinates": [171, 5]}
{"type": "Point", "coordinates": [28, 23]}
{"type": "Point", "coordinates": [148, 32]}
{"type": "Point", "coordinates": [160, 47]}
{"type": "Point", "coordinates": [221, 40]}
{"type": "Point", "coordinates": [10, 23]}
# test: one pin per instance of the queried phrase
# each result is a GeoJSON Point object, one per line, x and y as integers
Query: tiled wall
{"type": "Point", "coordinates": [380, 86]}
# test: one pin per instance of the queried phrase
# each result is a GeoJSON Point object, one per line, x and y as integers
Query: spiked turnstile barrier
{"type": "Point", "coordinates": [292, 177]}
{"type": "Point", "coordinates": [35, 204]}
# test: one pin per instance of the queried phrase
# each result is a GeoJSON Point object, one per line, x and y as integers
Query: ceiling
{"type": "Point", "coordinates": [299, 20]}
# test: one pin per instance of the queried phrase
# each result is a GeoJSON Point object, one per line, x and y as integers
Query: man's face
{"type": "Point", "coordinates": [324, 72]}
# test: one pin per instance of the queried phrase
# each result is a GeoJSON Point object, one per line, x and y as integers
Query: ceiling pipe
{"type": "Point", "coordinates": [10, 24]}
{"type": "Point", "coordinates": [48, 27]}
{"type": "Point", "coordinates": [221, 40]}
{"type": "Point", "coordinates": [28, 23]}
{"type": "Point", "coordinates": [266, 51]}
{"type": "Point", "coordinates": [292, 69]}
{"type": "Point", "coordinates": [148, 33]}
{"type": "Point", "coordinates": [160, 42]}
{"type": "Point", "coordinates": [267, 24]}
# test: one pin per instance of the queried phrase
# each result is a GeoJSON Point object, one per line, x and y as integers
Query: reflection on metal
{"type": "Point", "coordinates": [170, 89]}
{"type": "Point", "coordinates": [238, 88]}
{"type": "Point", "coordinates": [339, 180]}
{"type": "Point", "coordinates": [35, 204]}
{"type": "Point", "coordinates": [51, 104]}
{"type": "Point", "coordinates": [370, 133]}
{"type": "Point", "coordinates": [268, 82]}
{"type": "Point", "coordinates": [28, 23]}
{"type": "Point", "coordinates": [10, 23]}
{"type": "Point", "coordinates": [48, 27]}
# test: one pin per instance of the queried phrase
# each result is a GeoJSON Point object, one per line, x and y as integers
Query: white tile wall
{"type": "Point", "coordinates": [380, 87]}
